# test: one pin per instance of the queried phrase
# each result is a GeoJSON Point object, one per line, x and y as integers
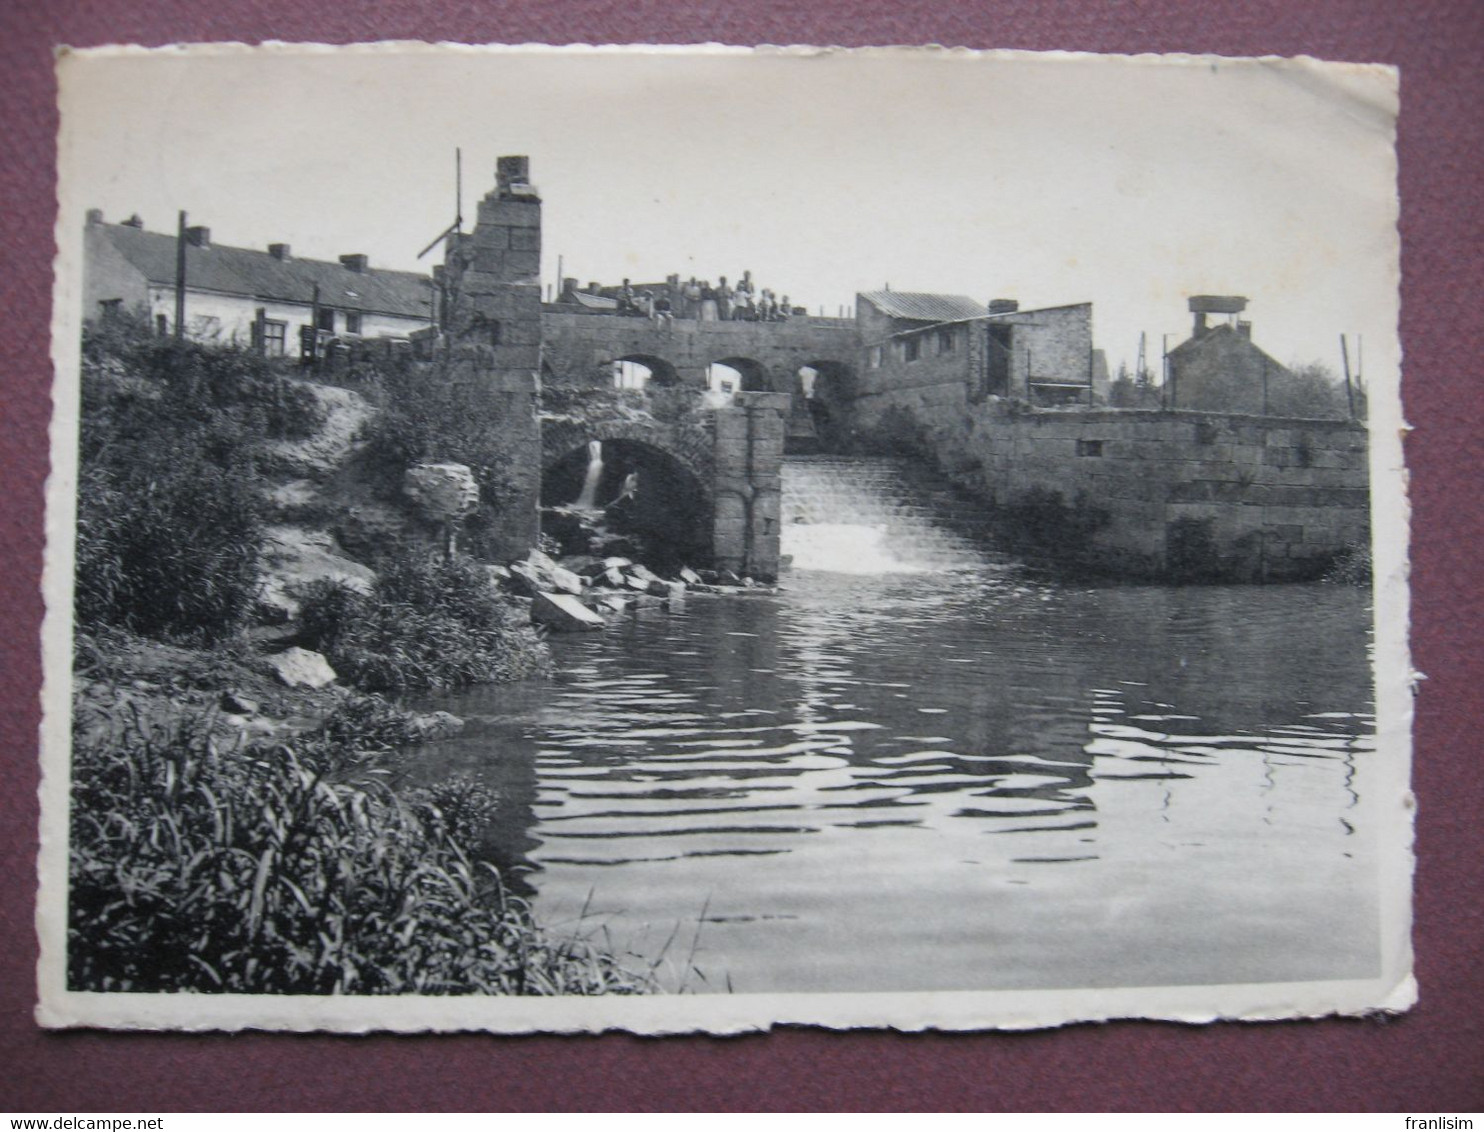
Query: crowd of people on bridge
{"type": "Point", "coordinates": [700, 300]}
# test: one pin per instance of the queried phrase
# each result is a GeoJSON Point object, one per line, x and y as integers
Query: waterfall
{"type": "Point", "coordinates": [585, 500]}
{"type": "Point", "coordinates": [874, 515]}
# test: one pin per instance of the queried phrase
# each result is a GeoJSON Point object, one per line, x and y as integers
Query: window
{"type": "Point", "coordinates": [352, 322]}
{"type": "Point", "coordinates": [876, 356]}
{"type": "Point", "coordinates": [326, 319]}
{"type": "Point", "coordinates": [110, 308]}
{"type": "Point", "coordinates": [1089, 447]}
{"type": "Point", "coordinates": [946, 339]}
{"type": "Point", "coordinates": [911, 349]}
{"type": "Point", "coordinates": [997, 362]}
{"type": "Point", "coordinates": [162, 326]}
{"type": "Point", "coordinates": [274, 334]}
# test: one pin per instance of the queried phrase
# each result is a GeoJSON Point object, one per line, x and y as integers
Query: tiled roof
{"type": "Point", "coordinates": [925, 307]}
{"type": "Point", "coordinates": [260, 275]}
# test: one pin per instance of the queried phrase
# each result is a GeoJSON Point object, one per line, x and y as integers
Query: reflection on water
{"type": "Point", "coordinates": [952, 781]}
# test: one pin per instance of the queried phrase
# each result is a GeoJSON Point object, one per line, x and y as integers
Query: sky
{"type": "Point", "coordinates": [1129, 183]}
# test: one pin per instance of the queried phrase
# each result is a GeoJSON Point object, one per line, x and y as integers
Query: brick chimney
{"type": "Point", "coordinates": [198, 236]}
{"type": "Point", "coordinates": [355, 262]}
{"type": "Point", "coordinates": [1202, 305]}
{"type": "Point", "coordinates": [133, 222]}
{"type": "Point", "coordinates": [280, 251]}
{"type": "Point", "coordinates": [95, 216]}
{"type": "Point", "coordinates": [513, 176]}
{"type": "Point", "coordinates": [1003, 306]}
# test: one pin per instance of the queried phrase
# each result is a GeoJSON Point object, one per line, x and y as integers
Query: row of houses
{"type": "Point", "coordinates": [287, 306]}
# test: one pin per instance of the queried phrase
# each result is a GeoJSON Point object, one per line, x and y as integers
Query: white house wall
{"type": "Point", "coordinates": [229, 318]}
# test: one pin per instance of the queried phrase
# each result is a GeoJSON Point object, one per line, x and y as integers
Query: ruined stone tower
{"type": "Point", "coordinates": [492, 325]}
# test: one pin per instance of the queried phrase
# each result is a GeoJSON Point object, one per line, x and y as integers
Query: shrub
{"type": "Point", "coordinates": [256, 870]}
{"type": "Point", "coordinates": [170, 501]}
{"type": "Point", "coordinates": [167, 546]}
{"type": "Point", "coordinates": [427, 624]}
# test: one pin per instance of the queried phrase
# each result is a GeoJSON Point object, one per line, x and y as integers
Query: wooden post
{"type": "Point", "coordinates": [180, 275]}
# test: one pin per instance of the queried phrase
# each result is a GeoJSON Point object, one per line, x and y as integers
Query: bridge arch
{"type": "Point", "coordinates": [654, 495]}
{"type": "Point", "coordinates": [822, 391]}
{"type": "Point", "coordinates": [635, 371]}
{"type": "Point", "coordinates": [748, 375]}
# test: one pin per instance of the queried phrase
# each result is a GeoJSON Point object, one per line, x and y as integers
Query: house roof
{"type": "Point", "coordinates": [1222, 336]}
{"type": "Point", "coordinates": [261, 275]}
{"type": "Point", "coordinates": [925, 307]}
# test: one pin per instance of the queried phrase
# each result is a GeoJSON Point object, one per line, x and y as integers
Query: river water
{"type": "Point", "coordinates": [951, 781]}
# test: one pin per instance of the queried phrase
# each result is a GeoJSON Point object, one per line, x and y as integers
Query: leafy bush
{"type": "Point", "coordinates": [251, 871]}
{"type": "Point", "coordinates": [428, 417]}
{"type": "Point", "coordinates": [170, 501]}
{"type": "Point", "coordinates": [167, 545]}
{"type": "Point", "coordinates": [428, 623]}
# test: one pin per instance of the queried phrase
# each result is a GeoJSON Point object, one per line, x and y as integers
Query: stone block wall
{"type": "Point", "coordinates": [1181, 495]}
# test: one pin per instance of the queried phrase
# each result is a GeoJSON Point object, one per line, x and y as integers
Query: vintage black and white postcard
{"type": "Point", "coordinates": [550, 539]}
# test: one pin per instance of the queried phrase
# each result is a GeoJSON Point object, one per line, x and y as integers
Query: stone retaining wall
{"type": "Point", "coordinates": [1158, 494]}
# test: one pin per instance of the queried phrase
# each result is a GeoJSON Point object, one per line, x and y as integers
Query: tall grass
{"type": "Point", "coordinates": [428, 623]}
{"type": "Point", "coordinates": [291, 868]}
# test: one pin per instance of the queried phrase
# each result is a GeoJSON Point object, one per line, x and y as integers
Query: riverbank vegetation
{"type": "Point", "coordinates": [231, 833]}
{"type": "Point", "coordinates": [427, 623]}
{"type": "Point", "coordinates": [202, 864]}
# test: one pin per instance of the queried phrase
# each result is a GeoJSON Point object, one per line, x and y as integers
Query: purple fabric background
{"type": "Point", "coordinates": [1431, 1059]}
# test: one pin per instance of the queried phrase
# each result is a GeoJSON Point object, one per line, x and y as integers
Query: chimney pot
{"type": "Point", "coordinates": [280, 251]}
{"type": "Point", "coordinates": [95, 216]}
{"type": "Point", "coordinates": [1244, 328]}
{"type": "Point", "coordinates": [355, 262]}
{"type": "Point", "coordinates": [134, 222]}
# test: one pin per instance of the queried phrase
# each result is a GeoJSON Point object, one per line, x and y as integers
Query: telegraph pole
{"type": "Point", "coordinates": [180, 276]}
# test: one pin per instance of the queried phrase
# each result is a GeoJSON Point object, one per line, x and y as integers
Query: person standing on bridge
{"type": "Point", "coordinates": [664, 310]}
{"type": "Point", "coordinates": [708, 302]}
{"type": "Point", "coordinates": [784, 309]}
{"type": "Point", "coordinates": [691, 293]}
{"type": "Point", "coordinates": [724, 296]}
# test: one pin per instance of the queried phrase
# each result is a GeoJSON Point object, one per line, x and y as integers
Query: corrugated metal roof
{"type": "Point", "coordinates": [260, 275]}
{"type": "Point", "coordinates": [925, 307]}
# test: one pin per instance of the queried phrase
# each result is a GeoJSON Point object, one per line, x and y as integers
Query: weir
{"type": "Point", "coordinates": [872, 515]}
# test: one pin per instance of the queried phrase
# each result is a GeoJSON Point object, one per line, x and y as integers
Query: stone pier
{"type": "Point", "coordinates": [749, 483]}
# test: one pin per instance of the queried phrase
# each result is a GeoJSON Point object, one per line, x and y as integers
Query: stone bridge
{"type": "Point", "coordinates": [768, 355]}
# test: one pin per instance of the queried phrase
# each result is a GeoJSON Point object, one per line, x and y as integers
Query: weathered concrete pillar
{"type": "Point", "coordinates": [749, 483]}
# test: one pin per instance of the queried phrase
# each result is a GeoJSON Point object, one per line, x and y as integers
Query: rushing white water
{"type": "Point", "coordinates": [864, 515]}
{"type": "Point", "coordinates": [586, 500]}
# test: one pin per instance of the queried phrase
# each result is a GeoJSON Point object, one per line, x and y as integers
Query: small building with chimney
{"type": "Point", "coordinates": [1219, 369]}
{"type": "Point", "coordinates": [267, 299]}
{"type": "Point", "coordinates": [1044, 356]}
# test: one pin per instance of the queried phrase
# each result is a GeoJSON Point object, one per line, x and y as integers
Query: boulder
{"type": "Point", "coordinates": [541, 560]}
{"type": "Point", "coordinates": [433, 725]}
{"type": "Point", "coordinates": [639, 570]}
{"type": "Point", "coordinates": [613, 603]}
{"type": "Point", "coordinates": [616, 563]}
{"type": "Point", "coordinates": [525, 579]}
{"type": "Point", "coordinates": [563, 613]}
{"type": "Point", "coordinates": [441, 492]}
{"type": "Point", "coordinates": [566, 580]}
{"type": "Point", "coordinates": [301, 668]}
{"type": "Point", "coordinates": [613, 576]}
{"type": "Point", "coordinates": [583, 564]}
{"type": "Point", "coordinates": [234, 704]}
{"type": "Point", "coordinates": [689, 576]}
{"type": "Point", "coordinates": [635, 582]}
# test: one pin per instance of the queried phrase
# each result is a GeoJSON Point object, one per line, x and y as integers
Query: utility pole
{"type": "Point", "coordinates": [180, 275]}
{"type": "Point", "coordinates": [1349, 389]}
{"type": "Point", "coordinates": [1167, 375]}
